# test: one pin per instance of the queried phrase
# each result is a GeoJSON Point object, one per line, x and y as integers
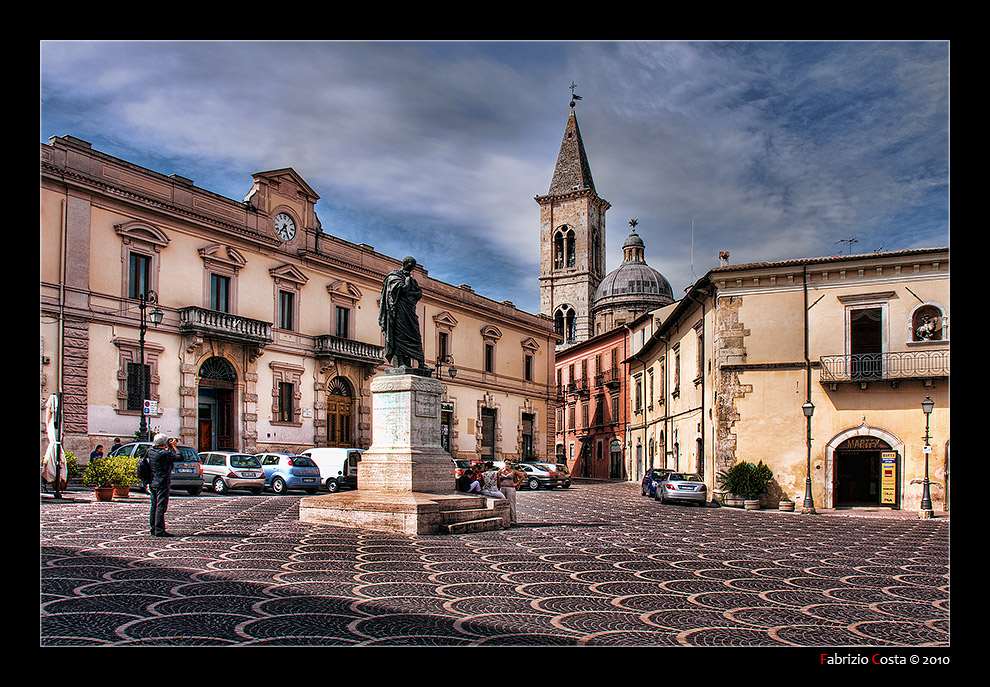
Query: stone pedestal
{"type": "Point", "coordinates": [406, 479]}
{"type": "Point", "coordinates": [405, 453]}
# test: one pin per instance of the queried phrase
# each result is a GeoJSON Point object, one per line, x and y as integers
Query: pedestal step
{"type": "Point", "coordinates": [469, 526]}
{"type": "Point", "coordinates": [409, 512]}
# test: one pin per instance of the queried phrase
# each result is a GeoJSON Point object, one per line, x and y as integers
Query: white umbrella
{"type": "Point", "coordinates": [48, 470]}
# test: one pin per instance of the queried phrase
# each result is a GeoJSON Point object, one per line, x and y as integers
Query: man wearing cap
{"type": "Point", "coordinates": [162, 457]}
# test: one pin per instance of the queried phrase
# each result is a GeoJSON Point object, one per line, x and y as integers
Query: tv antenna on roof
{"type": "Point", "coordinates": [848, 242]}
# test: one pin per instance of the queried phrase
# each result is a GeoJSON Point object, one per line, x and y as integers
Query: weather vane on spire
{"type": "Point", "coordinates": [574, 96]}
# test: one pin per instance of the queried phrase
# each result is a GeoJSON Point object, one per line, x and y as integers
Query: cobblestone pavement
{"type": "Point", "coordinates": [596, 564]}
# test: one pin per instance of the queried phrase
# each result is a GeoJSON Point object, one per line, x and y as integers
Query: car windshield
{"type": "Point", "coordinates": [682, 477]}
{"type": "Point", "coordinates": [303, 462]}
{"type": "Point", "coordinates": [244, 461]}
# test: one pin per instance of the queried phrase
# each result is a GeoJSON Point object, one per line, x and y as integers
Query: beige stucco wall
{"type": "Point", "coordinates": [94, 299]}
{"type": "Point", "coordinates": [771, 426]}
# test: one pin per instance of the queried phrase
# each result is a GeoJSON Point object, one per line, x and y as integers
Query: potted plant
{"type": "Point", "coordinates": [101, 475]}
{"type": "Point", "coordinates": [732, 483]}
{"type": "Point", "coordinates": [747, 482]}
{"type": "Point", "coordinates": [126, 475]}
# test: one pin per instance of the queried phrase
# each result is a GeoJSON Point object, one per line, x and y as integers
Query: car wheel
{"type": "Point", "coordinates": [219, 486]}
{"type": "Point", "coordinates": [660, 497]}
{"type": "Point", "coordinates": [333, 486]}
{"type": "Point", "coordinates": [533, 484]}
{"type": "Point", "coordinates": [278, 485]}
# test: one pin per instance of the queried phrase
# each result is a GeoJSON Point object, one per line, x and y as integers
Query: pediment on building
{"type": "Point", "coordinates": [225, 255]}
{"type": "Point", "coordinates": [491, 332]}
{"type": "Point", "coordinates": [142, 232]}
{"type": "Point", "coordinates": [445, 319]}
{"type": "Point", "coordinates": [286, 182]}
{"type": "Point", "coordinates": [289, 273]}
{"type": "Point", "coordinates": [342, 290]}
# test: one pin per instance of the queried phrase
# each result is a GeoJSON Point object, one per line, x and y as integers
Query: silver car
{"type": "Point", "coordinates": [225, 470]}
{"type": "Point", "coordinates": [682, 486]}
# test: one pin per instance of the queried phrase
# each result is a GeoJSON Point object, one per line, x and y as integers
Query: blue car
{"type": "Point", "coordinates": [284, 471]}
{"type": "Point", "coordinates": [652, 478]}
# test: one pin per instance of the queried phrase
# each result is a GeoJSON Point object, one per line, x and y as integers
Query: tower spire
{"type": "Point", "coordinates": [572, 173]}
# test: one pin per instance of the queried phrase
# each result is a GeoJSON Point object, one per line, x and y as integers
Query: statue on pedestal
{"type": "Point", "coordinates": [399, 322]}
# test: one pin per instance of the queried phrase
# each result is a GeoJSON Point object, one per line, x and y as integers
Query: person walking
{"type": "Point", "coordinates": [508, 481]}
{"type": "Point", "coordinates": [161, 456]}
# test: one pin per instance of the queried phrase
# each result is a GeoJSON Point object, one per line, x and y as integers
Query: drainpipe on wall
{"type": "Point", "coordinates": [809, 503]}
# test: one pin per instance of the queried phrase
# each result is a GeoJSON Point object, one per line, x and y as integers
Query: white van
{"type": "Point", "coordinates": [338, 466]}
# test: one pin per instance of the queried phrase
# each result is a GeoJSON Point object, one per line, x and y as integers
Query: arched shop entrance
{"type": "Point", "coordinates": [864, 469]}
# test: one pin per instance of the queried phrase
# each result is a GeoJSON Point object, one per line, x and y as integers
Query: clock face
{"type": "Point", "coordinates": [284, 226]}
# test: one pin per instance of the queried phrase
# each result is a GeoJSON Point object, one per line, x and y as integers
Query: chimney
{"type": "Point", "coordinates": [723, 258]}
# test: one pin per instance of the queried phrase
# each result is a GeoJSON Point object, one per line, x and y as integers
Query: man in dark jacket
{"type": "Point", "coordinates": [162, 457]}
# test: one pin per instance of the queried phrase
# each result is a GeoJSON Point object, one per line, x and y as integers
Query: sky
{"type": "Point", "coordinates": [767, 150]}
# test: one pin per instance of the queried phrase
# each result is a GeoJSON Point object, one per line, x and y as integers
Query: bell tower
{"type": "Point", "coordinates": [572, 239]}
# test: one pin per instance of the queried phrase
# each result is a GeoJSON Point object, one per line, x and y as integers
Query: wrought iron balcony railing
{"type": "Point", "coordinates": [609, 378]}
{"type": "Point", "coordinates": [868, 367]}
{"type": "Point", "coordinates": [224, 325]}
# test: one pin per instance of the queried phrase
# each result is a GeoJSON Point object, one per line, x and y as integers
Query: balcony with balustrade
{"type": "Point", "coordinates": [221, 325]}
{"type": "Point", "coordinates": [884, 367]}
{"type": "Point", "coordinates": [328, 346]}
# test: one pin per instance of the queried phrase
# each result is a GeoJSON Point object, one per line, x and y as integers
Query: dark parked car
{"type": "Point", "coordinates": [652, 478]}
{"type": "Point", "coordinates": [563, 474]}
{"type": "Point", "coordinates": [682, 486]}
{"type": "Point", "coordinates": [187, 472]}
{"type": "Point", "coordinates": [538, 475]}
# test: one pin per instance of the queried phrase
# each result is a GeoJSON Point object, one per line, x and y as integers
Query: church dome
{"type": "Point", "coordinates": [634, 281]}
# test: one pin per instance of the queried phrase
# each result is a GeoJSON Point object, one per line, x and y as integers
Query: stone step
{"type": "Point", "coordinates": [468, 526]}
{"type": "Point", "coordinates": [465, 515]}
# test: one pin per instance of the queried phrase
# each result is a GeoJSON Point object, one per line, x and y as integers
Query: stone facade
{"type": "Point", "coordinates": [865, 338]}
{"type": "Point", "coordinates": [572, 241]}
{"type": "Point", "coordinates": [269, 339]}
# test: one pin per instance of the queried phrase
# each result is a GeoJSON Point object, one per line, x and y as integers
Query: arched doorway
{"type": "Point", "coordinates": [340, 406]}
{"type": "Point", "coordinates": [863, 469]}
{"type": "Point", "coordinates": [215, 418]}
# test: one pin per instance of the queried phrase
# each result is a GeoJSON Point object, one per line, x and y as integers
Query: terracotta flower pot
{"type": "Point", "coordinates": [122, 492]}
{"type": "Point", "coordinates": [751, 504]}
{"type": "Point", "coordinates": [104, 493]}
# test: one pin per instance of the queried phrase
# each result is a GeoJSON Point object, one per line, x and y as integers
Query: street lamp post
{"type": "Point", "coordinates": [926, 498]}
{"type": "Point", "coordinates": [447, 360]}
{"type": "Point", "coordinates": [155, 316]}
{"type": "Point", "coordinates": [809, 502]}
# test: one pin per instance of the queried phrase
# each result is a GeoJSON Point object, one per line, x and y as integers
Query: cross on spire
{"type": "Point", "coordinates": [574, 96]}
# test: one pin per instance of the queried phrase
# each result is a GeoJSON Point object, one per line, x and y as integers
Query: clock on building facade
{"type": "Point", "coordinates": [285, 226]}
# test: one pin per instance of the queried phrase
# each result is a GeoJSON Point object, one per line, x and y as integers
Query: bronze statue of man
{"type": "Point", "coordinates": [398, 319]}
